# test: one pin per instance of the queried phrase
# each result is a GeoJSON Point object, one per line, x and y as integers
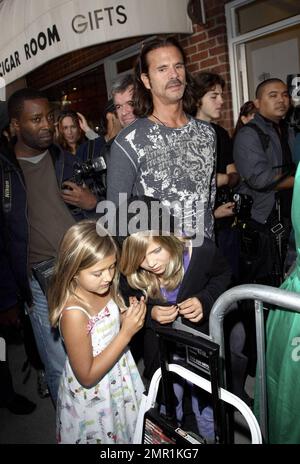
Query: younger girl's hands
{"type": "Point", "coordinates": [133, 319]}
{"type": "Point", "coordinates": [164, 314]}
{"type": "Point", "coordinates": [191, 309]}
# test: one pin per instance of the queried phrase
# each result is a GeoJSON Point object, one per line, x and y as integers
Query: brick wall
{"type": "Point", "coordinates": [207, 50]}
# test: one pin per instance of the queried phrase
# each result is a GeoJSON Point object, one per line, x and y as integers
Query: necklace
{"type": "Point", "coordinates": [159, 120]}
{"type": "Point", "coordinates": [166, 125]}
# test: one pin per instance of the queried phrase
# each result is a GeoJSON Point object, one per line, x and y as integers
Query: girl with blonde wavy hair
{"type": "Point", "coordinates": [133, 254]}
{"type": "Point", "coordinates": [100, 388]}
{"type": "Point", "coordinates": [178, 280]}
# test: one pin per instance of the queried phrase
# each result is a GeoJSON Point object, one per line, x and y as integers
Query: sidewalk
{"type": "Point", "coordinates": [39, 427]}
{"type": "Point", "coordinates": [35, 428]}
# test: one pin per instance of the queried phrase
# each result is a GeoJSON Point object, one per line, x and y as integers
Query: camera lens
{"type": "Point", "coordinates": [99, 164]}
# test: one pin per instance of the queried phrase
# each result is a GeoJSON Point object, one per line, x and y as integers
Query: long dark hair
{"type": "Point", "coordinates": [205, 81]}
{"type": "Point", "coordinates": [246, 109]}
{"type": "Point", "coordinates": [61, 139]}
{"type": "Point", "coordinates": [143, 102]}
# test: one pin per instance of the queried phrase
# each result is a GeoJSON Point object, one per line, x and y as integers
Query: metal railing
{"type": "Point", "coordinates": [259, 294]}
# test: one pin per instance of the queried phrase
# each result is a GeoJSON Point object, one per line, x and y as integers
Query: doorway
{"type": "Point", "coordinates": [275, 55]}
{"type": "Point", "coordinates": [86, 93]}
{"type": "Point", "coordinates": [263, 41]}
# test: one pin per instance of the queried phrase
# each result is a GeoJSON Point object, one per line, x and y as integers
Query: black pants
{"type": "Point", "coordinates": [262, 259]}
{"type": "Point", "coordinates": [30, 344]}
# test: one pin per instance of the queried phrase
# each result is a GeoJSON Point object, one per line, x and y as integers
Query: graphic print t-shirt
{"type": "Point", "coordinates": [170, 164]}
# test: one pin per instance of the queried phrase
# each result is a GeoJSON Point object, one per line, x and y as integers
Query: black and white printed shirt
{"type": "Point", "coordinates": [169, 164]}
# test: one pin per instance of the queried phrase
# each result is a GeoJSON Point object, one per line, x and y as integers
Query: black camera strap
{"type": "Point", "coordinates": [91, 148]}
{"type": "Point", "coordinates": [6, 189]}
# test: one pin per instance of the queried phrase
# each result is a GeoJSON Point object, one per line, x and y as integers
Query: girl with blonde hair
{"type": "Point", "coordinates": [100, 388]}
{"type": "Point", "coordinates": [178, 280]}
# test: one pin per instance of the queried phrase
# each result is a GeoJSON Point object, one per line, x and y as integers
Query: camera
{"type": "Point", "coordinates": [89, 169]}
{"type": "Point", "coordinates": [242, 205]}
{"type": "Point", "coordinates": [242, 202]}
{"type": "Point", "coordinates": [93, 174]}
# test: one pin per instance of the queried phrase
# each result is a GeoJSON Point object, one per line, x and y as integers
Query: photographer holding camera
{"type": "Point", "coordinates": [263, 155]}
{"type": "Point", "coordinates": [35, 215]}
{"type": "Point", "coordinates": [94, 154]}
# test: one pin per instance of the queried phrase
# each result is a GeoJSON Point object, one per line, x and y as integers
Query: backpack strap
{"type": "Point", "coordinates": [265, 141]}
{"type": "Point", "coordinates": [263, 137]}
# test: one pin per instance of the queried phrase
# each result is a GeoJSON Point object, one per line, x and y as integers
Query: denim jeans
{"type": "Point", "coordinates": [48, 340]}
{"type": "Point", "coordinates": [200, 400]}
{"type": "Point", "coordinates": [204, 417]}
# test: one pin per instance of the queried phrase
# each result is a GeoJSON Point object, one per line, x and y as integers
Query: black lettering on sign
{"type": "Point", "coordinates": [108, 9]}
{"type": "Point", "coordinates": [121, 7]}
{"type": "Point", "coordinates": [17, 59]}
{"type": "Point", "coordinates": [9, 63]}
{"type": "Point", "coordinates": [97, 18]}
{"type": "Point", "coordinates": [26, 49]}
{"type": "Point", "coordinates": [53, 36]}
{"type": "Point", "coordinates": [79, 26]}
{"type": "Point", "coordinates": [93, 20]}
{"type": "Point", "coordinates": [33, 47]}
{"type": "Point", "coordinates": [42, 41]}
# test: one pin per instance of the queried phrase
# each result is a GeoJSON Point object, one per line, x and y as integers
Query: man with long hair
{"type": "Point", "coordinates": [165, 153]}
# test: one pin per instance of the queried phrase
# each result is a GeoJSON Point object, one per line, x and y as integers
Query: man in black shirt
{"type": "Point", "coordinates": [209, 91]}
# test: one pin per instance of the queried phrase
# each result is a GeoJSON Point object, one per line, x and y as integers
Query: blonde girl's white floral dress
{"type": "Point", "coordinates": [106, 413]}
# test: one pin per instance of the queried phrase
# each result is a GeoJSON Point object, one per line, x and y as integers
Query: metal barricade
{"type": "Point", "coordinates": [260, 294]}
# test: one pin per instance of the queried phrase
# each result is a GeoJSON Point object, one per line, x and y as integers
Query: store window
{"type": "Point", "coordinates": [126, 65]}
{"type": "Point", "coordinates": [85, 93]}
{"type": "Point", "coordinates": [274, 55]}
{"type": "Point", "coordinates": [261, 13]}
{"type": "Point", "coordinates": [263, 42]}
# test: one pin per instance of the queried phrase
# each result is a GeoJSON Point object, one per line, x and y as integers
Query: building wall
{"type": "Point", "coordinates": [74, 61]}
{"type": "Point", "coordinates": [206, 50]}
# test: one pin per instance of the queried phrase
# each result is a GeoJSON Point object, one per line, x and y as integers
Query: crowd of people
{"type": "Point", "coordinates": [227, 201]}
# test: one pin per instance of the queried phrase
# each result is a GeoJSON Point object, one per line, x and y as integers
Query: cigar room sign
{"type": "Point", "coordinates": [36, 31]}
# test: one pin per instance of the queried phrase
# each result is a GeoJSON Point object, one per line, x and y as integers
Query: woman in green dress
{"type": "Point", "coordinates": [283, 353]}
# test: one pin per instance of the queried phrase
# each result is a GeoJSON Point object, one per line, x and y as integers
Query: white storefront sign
{"type": "Point", "coordinates": [36, 31]}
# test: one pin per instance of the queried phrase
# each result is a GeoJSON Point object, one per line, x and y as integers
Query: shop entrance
{"type": "Point", "coordinates": [263, 42]}
{"type": "Point", "coordinates": [86, 93]}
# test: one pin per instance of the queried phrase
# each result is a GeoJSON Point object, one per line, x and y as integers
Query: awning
{"type": "Point", "coordinates": [36, 31]}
